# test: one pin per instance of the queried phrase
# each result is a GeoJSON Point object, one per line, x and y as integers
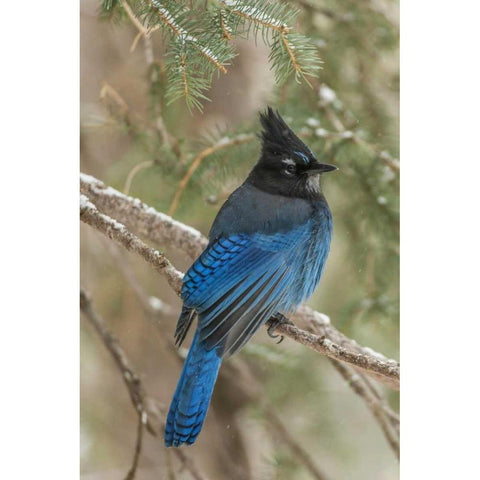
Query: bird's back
{"type": "Point", "coordinates": [307, 222]}
{"type": "Point", "coordinates": [250, 210]}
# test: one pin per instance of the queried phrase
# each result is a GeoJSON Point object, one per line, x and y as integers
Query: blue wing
{"type": "Point", "coordinates": [240, 281]}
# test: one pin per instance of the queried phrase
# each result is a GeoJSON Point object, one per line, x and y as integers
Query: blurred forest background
{"type": "Point", "coordinates": [133, 140]}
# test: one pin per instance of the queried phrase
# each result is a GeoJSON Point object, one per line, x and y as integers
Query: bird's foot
{"type": "Point", "coordinates": [275, 321]}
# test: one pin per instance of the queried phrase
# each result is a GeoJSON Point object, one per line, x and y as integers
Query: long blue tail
{"type": "Point", "coordinates": [192, 397]}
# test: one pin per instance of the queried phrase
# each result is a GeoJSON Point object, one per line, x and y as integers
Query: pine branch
{"type": "Point", "coordinates": [259, 13]}
{"type": "Point", "coordinates": [290, 53]}
{"type": "Point", "coordinates": [199, 40]}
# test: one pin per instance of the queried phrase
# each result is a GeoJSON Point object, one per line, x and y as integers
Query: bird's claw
{"type": "Point", "coordinates": [270, 331]}
{"type": "Point", "coordinates": [276, 320]}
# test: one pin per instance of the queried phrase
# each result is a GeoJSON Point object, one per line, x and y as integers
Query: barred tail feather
{"type": "Point", "coordinates": [192, 396]}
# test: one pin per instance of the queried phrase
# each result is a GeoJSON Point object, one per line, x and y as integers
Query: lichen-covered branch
{"type": "Point", "coordinates": [161, 228]}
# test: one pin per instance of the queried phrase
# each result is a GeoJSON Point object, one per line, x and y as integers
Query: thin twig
{"type": "Point", "coordinates": [138, 24]}
{"type": "Point", "coordinates": [223, 143]}
{"type": "Point", "coordinates": [138, 447]}
{"type": "Point", "coordinates": [188, 463]}
{"type": "Point", "coordinates": [297, 449]}
{"type": "Point", "coordinates": [133, 172]}
{"type": "Point", "coordinates": [288, 48]}
{"type": "Point", "coordinates": [392, 416]}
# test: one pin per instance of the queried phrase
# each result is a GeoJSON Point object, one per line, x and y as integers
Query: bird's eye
{"type": "Point", "coordinates": [290, 169]}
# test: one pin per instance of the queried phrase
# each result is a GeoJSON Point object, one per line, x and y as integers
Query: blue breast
{"type": "Point", "coordinates": [313, 249]}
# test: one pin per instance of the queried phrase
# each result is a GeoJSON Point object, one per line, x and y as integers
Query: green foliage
{"type": "Point", "coordinates": [289, 53]}
{"type": "Point", "coordinates": [199, 35]}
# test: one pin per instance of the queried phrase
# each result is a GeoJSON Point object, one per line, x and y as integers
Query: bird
{"type": "Point", "coordinates": [266, 253]}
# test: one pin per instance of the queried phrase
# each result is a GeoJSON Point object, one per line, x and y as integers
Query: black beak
{"type": "Point", "coordinates": [317, 167]}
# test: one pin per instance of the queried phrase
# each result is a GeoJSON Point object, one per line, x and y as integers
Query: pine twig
{"type": "Point", "coordinates": [222, 143]}
{"type": "Point", "coordinates": [252, 14]}
{"type": "Point", "coordinates": [167, 138]}
{"type": "Point", "coordinates": [133, 172]}
{"type": "Point", "coordinates": [288, 48]}
{"type": "Point", "coordinates": [180, 32]}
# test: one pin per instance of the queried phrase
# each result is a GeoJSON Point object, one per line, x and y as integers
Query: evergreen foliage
{"type": "Point", "coordinates": [199, 39]}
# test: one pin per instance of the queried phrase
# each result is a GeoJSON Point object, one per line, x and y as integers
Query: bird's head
{"type": "Point", "coordinates": [286, 166]}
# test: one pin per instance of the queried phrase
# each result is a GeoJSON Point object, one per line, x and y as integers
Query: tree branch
{"type": "Point", "coordinates": [158, 227]}
{"type": "Point", "coordinates": [139, 217]}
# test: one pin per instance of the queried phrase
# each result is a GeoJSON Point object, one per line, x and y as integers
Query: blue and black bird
{"type": "Point", "coordinates": [266, 253]}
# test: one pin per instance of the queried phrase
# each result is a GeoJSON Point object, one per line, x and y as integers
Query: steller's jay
{"type": "Point", "coordinates": [267, 250]}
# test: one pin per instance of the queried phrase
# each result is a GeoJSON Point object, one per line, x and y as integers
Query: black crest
{"type": "Point", "coordinates": [278, 138]}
